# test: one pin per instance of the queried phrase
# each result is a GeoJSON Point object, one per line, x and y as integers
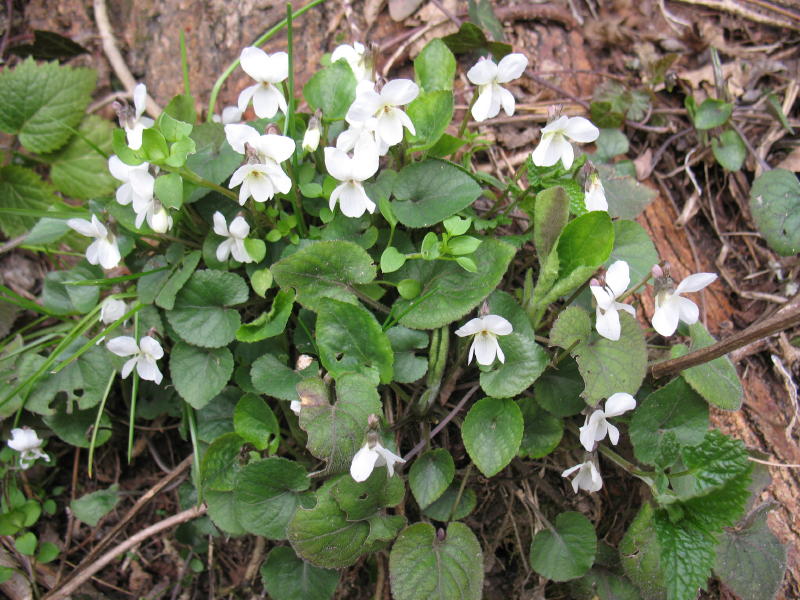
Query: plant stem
{"type": "Point", "coordinates": [563, 354]}
{"type": "Point", "coordinates": [465, 121]}
{"type": "Point", "coordinates": [460, 492]}
{"type": "Point", "coordinates": [185, 65]}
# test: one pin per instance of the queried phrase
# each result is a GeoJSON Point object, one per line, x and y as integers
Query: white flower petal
{"type": "Point", "coordinates": [482, 108]}
{"type": "Point", "coordinates": [581, 130]}
{"type": "Point", "coordinates": [471, 327]}
{"type": "Point", "coordinates": [353, 200]}
{"type": "Point", "coordinates": [511, 67]}
{"type": "Point", "coordinates": [93, 253]}
{"type": "Point", "coordinates": [108, 254]}
{"type": "Point", "coordinates": [588, 432]}
{"type": "Point", "coordinates": [546, 153]}
{"type": "Point", "coordinates": [338, 164]}
{"type": "Point", "coordinates": [618, 277]}
{"type": "Point", "coordinates": [399, 92]}
{"type": "Point", "coordinates": [363, 463]}
{"type": "Point", "coordinates": [696, 282]}
{"type": "Point", "coordinates": [389, 458]}
{"type": "Point", "coordinates": [688, 310]}
{"type": "Point", "coordinates": [497, 325]}
{"type": "Point", "coordinates": [483, 72]}
{"type": "Point", "coordinates": [151, 347]}
{"type": "Point", "coordinates": [244, 98]}
{"type": "Point", "coordinates": [127, 368]}
{"type": "Point", "coordinates": [148, 370]}
{"type": "Point", "coordinates": [239, 228]}
{"type": "Point", "coordinates": [566, 151]}
{"type": "Point", "coordinates": [665, 318]}
{"type": "Point", "coordinates": [364, 107]}
{"type": "Point", "coordinates": [485, 348]}
{"type": "Point", "coordinates": [224, 250]}
{"type": "Point", "coordinates": [619, 403]}
{"type": "Point", "coordinates": [82, 226]}
{"type": "Point", "coordinates": [607, 323]}
{"type": "Point", "coordinates": [239, 133]}
{"type": "Point", "coordinates": [255, 62]}
{"type": "Point", "coordinates": [570, 471]}
{"type": "Point", "coordinates": [239, 252]}
{"type": "Point", "coordinates": [506, 100]}
{"type": "Point", "coordinates": [220, 226]}
{"type": "Point", "coordinates": [267, 101]}
{"type": "Point", "coordinates": [139, 99]}
{"type": "Point", "coordinates": [390, 128]}
{"type": "Point", "coordinates": [613, 433]}
{"type": "Point", "coordinates": [602, 296]}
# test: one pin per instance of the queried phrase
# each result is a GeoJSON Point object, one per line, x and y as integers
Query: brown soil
{"type": "Point", "coordinates": [578, 43]}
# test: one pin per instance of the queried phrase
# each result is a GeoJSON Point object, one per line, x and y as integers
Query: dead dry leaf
{"type": "Point", "coordinates": [402, 9]}
{"type": "Point", "coordinates": [792, 161]}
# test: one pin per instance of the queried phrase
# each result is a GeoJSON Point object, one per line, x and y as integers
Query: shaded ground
{"type": "Point", "coordinates": [699, 222]}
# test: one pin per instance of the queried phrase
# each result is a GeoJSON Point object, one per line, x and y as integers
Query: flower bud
{"type": "Point", "coordinates": [312, 135]}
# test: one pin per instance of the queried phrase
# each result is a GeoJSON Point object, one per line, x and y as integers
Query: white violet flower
{"type": "Point", "coordinates": [235, 236]}
{"type": "Point", "coordinates": [362, 132]}
{"type": "Point", "coordinates": [617, 280]}
{"type": "Point", "coordinates": [588, 477]}
{"type": "Point", "coordinates": [357, 57]}
{"type": "Point", "coordinates": [145, 354]}
{"type": "Point", "coordinates": [25, 441]}
{"type": "Point", "coordinates": [112, 310]}
{"type": "Point", "coordinates": [311, 136]}
{"type": "Point", "coordinates": [596, 425]}
{"type": "Point", "coordinates": [133, 121]}
{"type": "Point", "coordinates": [371, 455]}
{"type": "Point", "coordinates": [485, 345]}
{"type": "Point", "coordinates": [671, 307]}
{"type": "Point", "coordinates": [554, 145]}
{"type": "Point", "coordinates": [383, 106]}
{"type": "Point", "coordinates": [267, 70]}
{"type": "Point", "coordinates": [137, 182]}
{"type": "Point", "coordinates": [103, 251]}
{"type": "Point", "coordinates": [595, 195]}
{"type": "Point", "coordinates": [151, 209]}
{"type": "Point", "coordinates": [488, 76]}
{"type": "Point", "coordinates": [350, 194]}
{"type": "Point", "coordinates": [261, 176]}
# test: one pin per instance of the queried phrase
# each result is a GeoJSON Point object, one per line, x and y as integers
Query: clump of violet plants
{"type": "Point", "coordinates": [319, 281]}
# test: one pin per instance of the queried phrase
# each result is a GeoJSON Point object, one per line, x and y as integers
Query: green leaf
{"type": "Point", "coordinates": [524, 358]}
{"type": "Point", "coordinates": [492, 433]}
{"type": "Point", "coordinates": [470, 37]}
{"type": "Point", "coordinates": [600, 584]}
{"type": "Point", "coordinates": [21, 188]}
{"type": "Point", "coordinates": [26, 543]}
{"type": "Point", "coordinates": [448, 293]}
{"type": "Point", "coordinates": [78, 170]}
{"type": "Point", "coordinates": [611, 143]}
{"type": "Point", "coordinates": [729, 150]}
{"type": "Point", "coordinates": [363, 500]}
{"type": "Point", "coordinates": [606, 366]}
{"type": "Point", "coordinates": [181, 107]}
{"type": "Point", "coordinates": [169, 190]}
{"type": "Point", "coordinates": [751, 561]}
{"type": "Point", "coordinates": [325, 270]}
{"type": "Point", "coordinates": [221, 509]}
{"type": "Point", "coordinates": [431, 475]}
{"type": "Point", "coordinates": [586, 241]}
{"type": "Point", "coordinates": [549, 218]}
{"type": "Point", "coordinates": [435, 67]}
{"type": "Point", "coordinates": [200, 316]}
{"type": "Point", "coordinates": [154, 146]}
{"type": "Point", "coordinates": [255, 422]}
{"type": "Point", "coordinates": [323, 536]}
{"type": "Point", "coordinates": [270, 323]}
{"type": "Point", "coordinates": [422, 565]}
{"type": "Point", "coordinates": [332, 90]}
{"type": "Point", "coordinates": [48, 45]}
{"type": "Point", "coordinates": [287, 577]}
{"type": "Point", "coordinates": [216, 417]}
{"type": "Point", "coordinates": [392, 260]}
{"type": "Point", "coordinates": [717, 380]}
{"type": "Point", "coordinates": [168, 290]}
{"type": "Point", "coordinates": [427, 192]}
{"type": "Point", "coordinates": [42, 103]}
{"type": "Point", "coordinates": [266, 495]}
{"type": "Point", "coordinates": [431, 113]}
{"type": "Point", "coordinates": [82, 382]}
{"type": "Point", "coordinates": [213, 159]}
{"type": "Point", "coordinates": [336, 432]}
{"type": "Point", "coordinates": [220, 464]}
{"type": "Point", "coordinates": [626, 197]}
{"type": "Point", "coordinates": [567, 550]}
{"type": "Point", "coordinates": [775, 204]}
{"type": "Point", "coordinates": [558, 390]}
{"type": "Point", "coordinates": [383, 529]}
{"type": "Point", "coordinates": [408, 367]}
{"type": "Point", "coordinates": [272, 377]}
{"type": "Point", "coordinates": [350, 340]}
{"type": "Point", "coordinates": [149, 286]}
{"type": "Point", "coordinates": [633, 245]}
{"type": "Point", "coordinates": [542, 431]}
{"type": "Point", "coordinates": [93, 507]}
{"type": "Point", "coordinates": [712, 113]}
{"type": "Point", "coordinates": [199, 374]}
{"type": "Point", "coordinates": [62, 299]}
{"type": "Point", "coordinates": [47, 552]}
{"type": "Point", "coordinates": [442, 509]}
{"type": "Point", "coordinates": [75, 427]}
{"type": "Point", "coordinates": [171, 126]}
{"type": "Point", "coordinates": [261, 281]}
{"type": "Point", "coordinates": [670, 417]}
{"type": "Point", "coordinates": [710, 465]}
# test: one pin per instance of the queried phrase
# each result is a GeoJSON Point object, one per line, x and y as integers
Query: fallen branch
{"type": "Point", "coordinates": [81, 577]}
{"type": "Point", "coordinates": [786, 317]}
